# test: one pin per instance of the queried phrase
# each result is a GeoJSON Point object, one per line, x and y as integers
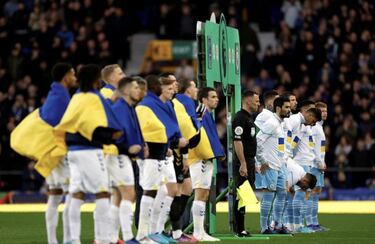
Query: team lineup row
{"type": "Point", "coordinates": [87, 144]}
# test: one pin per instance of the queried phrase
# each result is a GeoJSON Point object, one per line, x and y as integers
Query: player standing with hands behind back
{"type": "Point", "coordinates": [245, 144]}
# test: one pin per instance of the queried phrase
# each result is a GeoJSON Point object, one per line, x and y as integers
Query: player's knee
{"type": "Point", "coordinates": [104, 194]}
{"type": "Point", "coordinates": [150, 193]}
{"type": "Point", "coordinates": [55, 192]}
{"type": "Point", "coordinates": [172, 189]}
{"type": "Point", "coordinates": [79, 195]}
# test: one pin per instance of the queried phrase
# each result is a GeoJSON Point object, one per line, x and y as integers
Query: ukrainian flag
{"type": "Point", "coordinates": [209, 146]}
{"type": "Point", "coordinates": [295, 142]}
{"type": "Point", "coordinates": [157, 120]}
{"type": "Point", "coordinates": [86, 112]}
{"type": "Point", "coordinates": [34, 137]}
{"type": "Point", "coordinates": [323, 146]}
{"type": "Point", "coordinates": [280, 145]}
{"type": "Point", "coordinates": [311, 142]}
{"type": "Point", "coordinates": [184, 108]}
{"type": "Point", "coordinates": [289, 137]}
{"type": "Point", "coordinates": [107, 91]}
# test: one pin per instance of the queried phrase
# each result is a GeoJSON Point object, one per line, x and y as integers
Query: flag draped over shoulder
{"type": "Point", "coordinates": [127, 117]}
{"type": "Point", "coordinates": [209, 146]}
{"type": "Point", "coordinates": [107, 91]}
{"type": "Point", "coordinates": [157, 120]}
{"type": "Point", "coordinates": [34, 137]}
{"type": "Point", "coordinates": [86, 112]}
{"type": "Point", "coordinates": [186, 116]}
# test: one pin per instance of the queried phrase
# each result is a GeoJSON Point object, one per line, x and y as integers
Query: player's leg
{"type": "Point", "coordinates": [157, 207]}
{"type": "Point", "coordinates": [280, 200]}
{"type": "Point", "coordinates": [52, 214]}
{"type": "Point", "coordinates": [112, 163]}
{"type": "Point", "coordinates": [127, 193]}
{"type": "Point", "coordinates": [172, 188]}
{"type": "Point", "coordinates": [178, 208]}
{"type": "Point", "coordinates": [68, 197]}
{"type": "Point", "coordinates": [78, 196]}
{"type": "Point", "coordinates": [201, 177]}
{"type": "Point", "coordinates": [269, 192]}
{"type": "Point", "coordinates": [150, 179]}
{"type": "Point", "coordinates": [96, 181]}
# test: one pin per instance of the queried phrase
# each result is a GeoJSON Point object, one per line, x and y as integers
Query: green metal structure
{"type": "Point", "coordinates": [219, 64]}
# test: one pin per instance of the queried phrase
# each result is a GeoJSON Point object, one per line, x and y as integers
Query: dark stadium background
{"type": "Point", "coordinates": [323, 50]}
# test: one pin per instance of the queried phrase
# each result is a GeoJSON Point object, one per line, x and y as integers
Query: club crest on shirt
{"type": "Point", "coordinates": [238, 130]}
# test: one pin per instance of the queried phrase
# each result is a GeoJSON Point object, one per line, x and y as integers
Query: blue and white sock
{"type": "Point", "coordinates": [288, 213]}
{"type": "Point", "coordinates": [309, 206]}
{"type": "Point", "coordinates": [314, 214]}
{"type": "Point", "coordinates": [265, 209]}
{"type": "Point", "coordinates": [279, 208]}
{"type": "Point", "coordinates": [297, 206]}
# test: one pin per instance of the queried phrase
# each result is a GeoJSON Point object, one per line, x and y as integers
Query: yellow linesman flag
{"type": "Point", "coordinates": [245, 195]}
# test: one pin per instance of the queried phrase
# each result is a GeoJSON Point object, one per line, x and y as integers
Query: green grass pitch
{"type": "Point", "coordinates": [344, 228]}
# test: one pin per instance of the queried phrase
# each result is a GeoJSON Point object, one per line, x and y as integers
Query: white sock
{"type": "Point", "coordinates": [144, 217]}
{"type": "Point", "coordinates": [52, 217]}
{"type": "Point", "coordinates": [114, 223]}
{"type": "Point", "coordinates": [199, 210]}
{"type": "Point", "coordinates": [156, 209]}
{"type": "Point", "coordinates": [101, 220]}
{"type": "Point", "coordinates": [176, 234]}
{"type": "Point", "coordinates": [164, 213]}
{"type": "Point", "coordinates": [126, 219]}
{"type": "Point", "coordinates": [75, 219]}
{"type": "Point", "coordinates": [66, 229]}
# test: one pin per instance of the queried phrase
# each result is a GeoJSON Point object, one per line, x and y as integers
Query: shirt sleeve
{"type": "Point", "coordinates": [238, 126]}
{"type": "Point", "coordinates": [262, 136]}
{"type": "Point", "coordinates": [320, 145]}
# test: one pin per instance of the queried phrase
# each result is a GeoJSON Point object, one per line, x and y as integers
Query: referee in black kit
{"type": "Point", "coordinates": [245, 144]}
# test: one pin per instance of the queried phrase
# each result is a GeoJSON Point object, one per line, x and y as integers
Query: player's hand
{"type": "Point", "coordinates": [135, 149]}
{"type": "Point", "coordinates": [146, 151]}
{"type": "Point", "coordinates": [264, 168]}
{"type": "Point", "coordinates": [222, 158]}
{"type": "Point", "coordinates": [243, 169]}
{"type": "Point", "coordinates": [291, 190]}
{"type": "Point", "coordinates": [182, 142]}
{"type": "Point", "coordinates": [169, 152]}
{"type": "Point", "coordinates": [200, 110]}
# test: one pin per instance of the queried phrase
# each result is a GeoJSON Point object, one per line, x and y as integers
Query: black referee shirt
{"type": "Point", "coordinates": [243, 129]}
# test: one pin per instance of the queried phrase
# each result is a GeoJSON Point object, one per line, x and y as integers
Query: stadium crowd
{"type": "Point", "coordinates": [325, 51]}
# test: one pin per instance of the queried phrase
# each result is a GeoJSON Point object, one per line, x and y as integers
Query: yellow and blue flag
{"type": "Point", "coordinates": [209, 146]}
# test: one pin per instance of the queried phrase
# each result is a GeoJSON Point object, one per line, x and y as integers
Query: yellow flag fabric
{"type": "Point", "coordinates": [185, 123]}
{"type": "Point", "coordinates": [33, 137]}
{"type": "Point", "coordinates": [84, 114]}
{"type": "Point", "coordinates": [106, 92]}
{"type": "Point", "coordinates": [153, 130]}
{"type": "Point", "coordinates": [202, 151]}
{"type": "Point", "coordinates": [245, 195]}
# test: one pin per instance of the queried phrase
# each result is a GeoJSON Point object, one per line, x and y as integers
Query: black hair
{"type": "Point", "coordinates": [203, 93]}
{"type": "Point", "coordinates": [279, 102]}
{"type": "Point", "coordinates": [316, 113]}
{"type": "Point", "coordinates": [312, 180]}
{"type": "Point", "coordinates": [166, 74]}
{"type": "Point", "coordinates": [248, 93]}
{"type": "Point", "coordinates": [87, 76]}
{"type": "Point", "coordinates": [153, 84]}
{"type": "Point", "coordinates": [269, 95]}
{"type": "Point", "coordinates": [59, 70]}
{"type": "Point", "coordinates": [305, 103]}
{"type": "Point", "coordinates": [288, 94]}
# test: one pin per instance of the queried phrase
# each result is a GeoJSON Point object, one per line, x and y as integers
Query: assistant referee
{"type": "Point", "coordinates": [244, 141]}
